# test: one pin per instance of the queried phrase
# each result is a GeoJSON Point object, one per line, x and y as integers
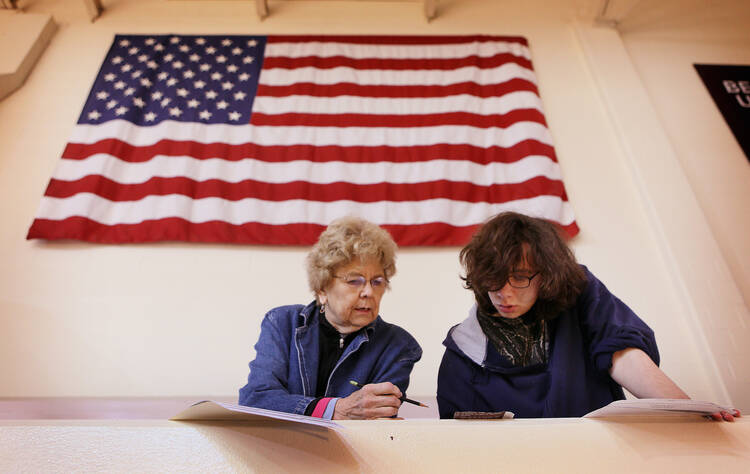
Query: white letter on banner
{"type": "Point", "coordinates": [731, 87]}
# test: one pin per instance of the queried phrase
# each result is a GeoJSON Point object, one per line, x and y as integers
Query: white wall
{"type": "Point", "coordinates": [664, 42]}
{"type": "Point", "coordinates": [179, 319]}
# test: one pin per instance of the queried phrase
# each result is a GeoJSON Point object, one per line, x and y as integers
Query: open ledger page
{"type": "Point", "coordinates": [217, 411]}
{"type": "Point", "coordinates": [657, 407]}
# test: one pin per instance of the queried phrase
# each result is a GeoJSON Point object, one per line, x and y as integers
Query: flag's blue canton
{"type": "Point", "coordinates": [148, 79]}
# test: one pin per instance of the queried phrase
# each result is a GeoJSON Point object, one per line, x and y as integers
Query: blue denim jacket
{"type": "Point", "coordinates": [284, 374]}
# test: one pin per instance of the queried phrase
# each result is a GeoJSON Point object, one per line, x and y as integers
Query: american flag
{"type": "Point", "coordinates": [266, 139]}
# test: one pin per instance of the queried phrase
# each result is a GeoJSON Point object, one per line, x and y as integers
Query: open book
{"type": "Point", "coordinates": [216, 411]}
{"type": "Point", "coordinates": [657, 407]}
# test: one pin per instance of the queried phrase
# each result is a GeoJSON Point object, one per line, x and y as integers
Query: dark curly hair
{"type": "Point", "coordinates": [507, 241]}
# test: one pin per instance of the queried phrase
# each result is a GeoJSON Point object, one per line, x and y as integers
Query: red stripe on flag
{"type": "Point", "coordinates": [175, 229]}
{"type": "Point", "coordinates": [406, 91]}
{"type": "Point", "coordinates": [399, 121]}
{"type": "Point", "coordinates": [278, 154]}
{"type": "Point", "coordinates": [419, 64]}
{"type": "Point", "coordinates": [455, 190]}
{"type": "Point", "coordinates": [396, 39]}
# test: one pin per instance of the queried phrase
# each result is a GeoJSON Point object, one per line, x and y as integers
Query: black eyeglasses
{"type": "Point", "coordinates": [358, 281]}
{"type": "Point", "coordinates": [518, 280]}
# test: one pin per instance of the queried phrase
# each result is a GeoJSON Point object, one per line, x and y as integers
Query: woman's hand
{"type": "Point", "coordinates": [726, 416]}
{"type": "Point", "coordinates": [377, 400]}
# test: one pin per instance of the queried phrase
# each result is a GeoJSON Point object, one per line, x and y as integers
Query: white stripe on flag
{"type": "Point", "coordinates": [436, 77]}
{"type": "Point", "coordinates": [317, 136]}
{"type": "Point", "coordinates": [396, 51]}
{"type": "Point", "coordinates": [303, 170]}
{"type": "Point", "coordinates": [397, 106]}
{"type": "Point", "coordinates": [457, 213]}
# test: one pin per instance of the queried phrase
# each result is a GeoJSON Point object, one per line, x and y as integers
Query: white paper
{"type": "Point", "coordinates": [217, 411]}
{"type": "Point", "coordinates": [657, 407]}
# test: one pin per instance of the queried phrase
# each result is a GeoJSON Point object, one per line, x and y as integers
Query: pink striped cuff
{"type": "Point", "coordinates": [320, 408]}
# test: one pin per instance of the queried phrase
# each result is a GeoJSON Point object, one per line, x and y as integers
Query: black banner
{"type": "Point", "coordinates": [730, 88]}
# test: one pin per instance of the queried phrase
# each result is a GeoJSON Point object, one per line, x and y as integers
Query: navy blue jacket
{"type": "Point", "coordinates": [284, 374]}
{"type": "Point", "coordinates": [473, 376]}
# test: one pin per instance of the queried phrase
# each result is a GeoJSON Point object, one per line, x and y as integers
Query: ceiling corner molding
{"type": "Point", "coordinates": [261, 7]}
{"type": "Point", "coordinates": [94, 8]}
{"type": "Point", "coordinates": [430, 9]}
{"type": "Point", "coordinates": [613, 12]}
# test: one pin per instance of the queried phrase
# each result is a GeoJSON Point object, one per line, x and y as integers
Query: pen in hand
{"type": "Point", "coordinates": [403, 398]}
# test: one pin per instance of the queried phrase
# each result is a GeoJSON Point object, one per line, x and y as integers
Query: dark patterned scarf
{"type": "Point", "coordinates": [523, 340]}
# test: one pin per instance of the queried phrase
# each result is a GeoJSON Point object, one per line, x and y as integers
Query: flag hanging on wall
{"type": "Point", "coordinates": [266, 139]}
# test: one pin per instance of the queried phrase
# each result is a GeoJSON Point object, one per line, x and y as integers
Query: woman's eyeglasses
{"type": "Point", "coordinates": [359, 282]}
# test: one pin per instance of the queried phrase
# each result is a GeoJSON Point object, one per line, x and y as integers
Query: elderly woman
{"type": "Point", "coordinates": [307, 356]}
{"type": "Point", "coordinates": [545, 337]}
